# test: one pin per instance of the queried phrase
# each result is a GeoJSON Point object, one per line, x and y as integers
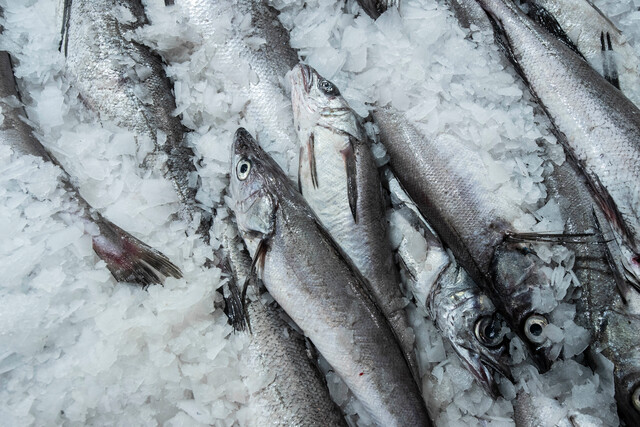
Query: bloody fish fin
{"type": "Point", "coordinates": [621, 284]}
{"type": "Point", "coordinates": [609, 68]}
{"type": "Point", "coordinates": [352, 186]}
{"type": "Point", "coordinates": [542, 16]}
{"type": "Point", "coordinates": [589, 238]}
{"type": "Point", "coordinates": [312, 160]}
{"type": "Point", "coordinates": [64, 31]}
{"type": "Point", "coordinates": [129, 259]}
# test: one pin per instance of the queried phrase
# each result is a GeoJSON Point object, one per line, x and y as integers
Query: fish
{"type": "Point", "coordinates": [124, 82]}
{"type": "Point", "coordinates": [127, 258]}
{"type": "Point", "coordinates": [264, 48]}
{"type": "Point", "coordinates": [447, 182]}
{"type": "Point", "coordinates": [305, 272]}
{"type": "Point", "coordinates": [538, 410]}
{"type": "Point", "coordinates": [375, 8]}
{"type": "Point", "coordinates": [597, 125]}
{"type": "Point", "coordinates": [462, 312]}
{"type": "Point", "coordinates": [594, 36]}
{"type": "Point", "coordinates": [468, 13]}
{"type": "Point", "coordinates": [339, 179]}
{"type": "Point", "coordinates": [608, 309]}
{"type": "Point", "coordinates": [296, 393]}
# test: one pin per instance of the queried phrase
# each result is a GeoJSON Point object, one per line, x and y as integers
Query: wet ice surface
{"type": "Point", "coordinates": [76, 347]}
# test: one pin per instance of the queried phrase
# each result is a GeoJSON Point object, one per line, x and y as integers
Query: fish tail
{"type": "Point", "coordinates": [129, 259]}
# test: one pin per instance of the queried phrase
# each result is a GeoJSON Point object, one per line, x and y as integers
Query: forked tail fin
{"type": "Point", "coordinates": [129, 259]}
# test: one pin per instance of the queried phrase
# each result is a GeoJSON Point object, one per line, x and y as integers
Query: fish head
{"type": "Point", "coordinates": [317, 102]}
{"type": "Point", "coordinates": [519, 280]}
{"type": "Point", "coordinates": [476, 331]}
{"type": "Point", "coordinates": [628, 397]}
{"type": "Point", "coordinates": [255, 179]}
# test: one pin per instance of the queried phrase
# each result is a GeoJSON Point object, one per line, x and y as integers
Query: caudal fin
{"type": "Point", "coordinates": [129, 259]}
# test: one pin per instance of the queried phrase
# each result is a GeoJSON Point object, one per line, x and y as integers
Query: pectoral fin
{"type": "Point", "coordinates": [312, 161]}
{"type": "Point", "coordinates": [352, 186]}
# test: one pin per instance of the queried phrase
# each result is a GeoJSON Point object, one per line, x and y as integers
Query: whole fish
{"type": "Point", "coordinates": [447, 181]}
{"type": "Point", "coordinates": [610, 311]}
{"type": "Point", "coordinates": [598, 126]}
{"type": "Point", "coordinates": [124, 82]}
{"type": "Point", "coordinates": [256, 39]}
{"type": "Point", "coordinates": [464, 314]}
{"type": "Point", "coordinates": [127, 258]}
{"type": "Point", "coordinates": [296, 393]}
{"type": "Point", "coordinates": [306, 274]}
{"type": "Point", "coordinates": [338, 177]}
{"type": "Point", "coordinates": [375, 8]}
{"type": "Point", "coordinates": [595, 37]}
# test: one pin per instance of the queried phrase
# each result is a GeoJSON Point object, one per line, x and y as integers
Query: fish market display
{"type": "Point", "coordinates": [338, 178]}
{"type": "Point", "coordinates": [123, 81]}
{"type": "Point", "coordinates": [296, 393]}
{"type": "Point", "coordinates": [76, 348]}
{"type": "Point", "coordinates": [599, 125]}
{"type": "Point", "coordinates": [308, 277]}
{"type": "Point", "coordinates": [596, 38]}
{"type": "Point", "coordinates": [128, 259]}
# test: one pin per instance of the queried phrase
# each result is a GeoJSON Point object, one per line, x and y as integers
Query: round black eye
{"type": "Point", "coordinates": [328, 88]}
{"type": "Point", "coordinates": [635, 399]}
{"type": "Point", "coordinates": [243, 168]}
{"type": "Point", "coordinates": [533, 327]}
{"type": "Point", "coordinates": [488, 331]}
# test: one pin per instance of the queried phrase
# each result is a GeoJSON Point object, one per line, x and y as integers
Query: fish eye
{"type": "Point", "coordinates": [635, 399]}
{"type": "Point", "coordinates": [243, 168]}
{"type": "Point", "coordinates": [533, 327]}
{"type": "Point", "coordinates": [488, 331]}
{"type": "Point", "coordinates": [328, 88]}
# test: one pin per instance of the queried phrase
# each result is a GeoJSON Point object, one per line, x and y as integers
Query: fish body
{"type": "Point", "coordinates": [598, 126]}
{"type": "Point", "coordinates": [124, 82]}
{"type": "Point", "coordinates": [602, 309]}
{"type": "Point", "coordinates": [447, 182]}
{"type": "Point", "coordinates": [296, 393]}
{"type": "Point", "coordinates": [128, 259]}
{"type": "Point", "coordinates": [305, 273]}
{"type": "Point", "coordinates": [375, 8]}
{"type": "Point", "coordinates": [539, 410]}
{"type": "Point", "coordinates": [469, 13]}
{"type": "Point", "coordinates": [596, 38]}
{"type": "Point", "coordinates": [339, 179]}
{"type": "Point", "coordinates": [462, 312]}
{"type": "Point", "coordinates": [256, 39]}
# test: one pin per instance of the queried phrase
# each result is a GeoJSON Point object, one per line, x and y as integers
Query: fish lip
{"type": "Point", "coordinates": [242, 140]}
{"type": "Point", "coordinates": [480, 367]}
{"type": "Point", "coordinates": [307, 77]}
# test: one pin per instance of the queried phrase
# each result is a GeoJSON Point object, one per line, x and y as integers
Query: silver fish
{"type": "Point", "coordinates": [469, 13]}
{"type": "Point", "coordinates": [539, 411]}
{"type": "Point", "coordinates": [375, 8]}
{"type": "Point", "coordinates": [464, 314]}
{"type": "Point", "coordinates": [296, 393]}
{"type": "Point", "coordinates": [264, 47]}
{"type": "Point", "coordinates": [305, 273]}
{"type": "Point", "coordinates": [611, 312]}
{"type": "Point", "coordinates": [124, 82]}
{"type": "Point", "coordinates": [447, 182]}
{"type": "Point", "coordinates": [339, 179]}
{"type": "Point", "coordinates": [128, 259]}
{"type": "Point", "coordinates": [598, 126]}
{"type": "Point", "coordinates": [595, 37]}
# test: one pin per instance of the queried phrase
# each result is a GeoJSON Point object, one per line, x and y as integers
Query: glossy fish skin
{"type": "Point", "coordinates": [539, 410]}
{"type": "Point", "coordinates": [124, 82]}
{"type": "Point", "coordinates": [375, 8]}
{"type": "Point", "coordinates": [296, 393]}
{"type": "Point", "coordinates": [468, 13]}
{"type": "Point", "coordinates": [269, 108]}
{"type": "Point", "coordinates": [598, 126]}
{"type": "Point", "coordinates": [464, 314]}
{"type": "Point", "coordinates": [613, 324]}
{"type": "Point", "coordinates": [597, 39]}
{"type": "Point", "coordinates": [305, 273]}
{"type": "Point", "coordinates": [128, 259]}
{"type": "Point", "coordinates": [339, 179]}
{"type": "Point", "coordinates": [448, 184]}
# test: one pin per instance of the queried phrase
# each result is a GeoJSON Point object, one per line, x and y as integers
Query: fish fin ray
{"type": "Point", "coordinates": [352, 185]}
{"type": "Point", "coordinates": [300, 170]}
{"type": "Point", "coordinates": [312, 160]}
{"type": "Point", "coordinates": [545, 19]}
{"type": "Point", "coordinates": [609, 68]}
{"type": "Point", "coordinates": [129, 259]}
{"type": "Point", "coordinates": [234, 307]}
{"type": "Point", "coordinates": [64, 30]}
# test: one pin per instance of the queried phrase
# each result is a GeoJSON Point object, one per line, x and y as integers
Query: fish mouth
{"type": "Point", "coordinates": [306, 76]}
{"type": "Point", "coordinates": [243, 142]}
{"type": "Point", "coordinates": [483, 369]}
